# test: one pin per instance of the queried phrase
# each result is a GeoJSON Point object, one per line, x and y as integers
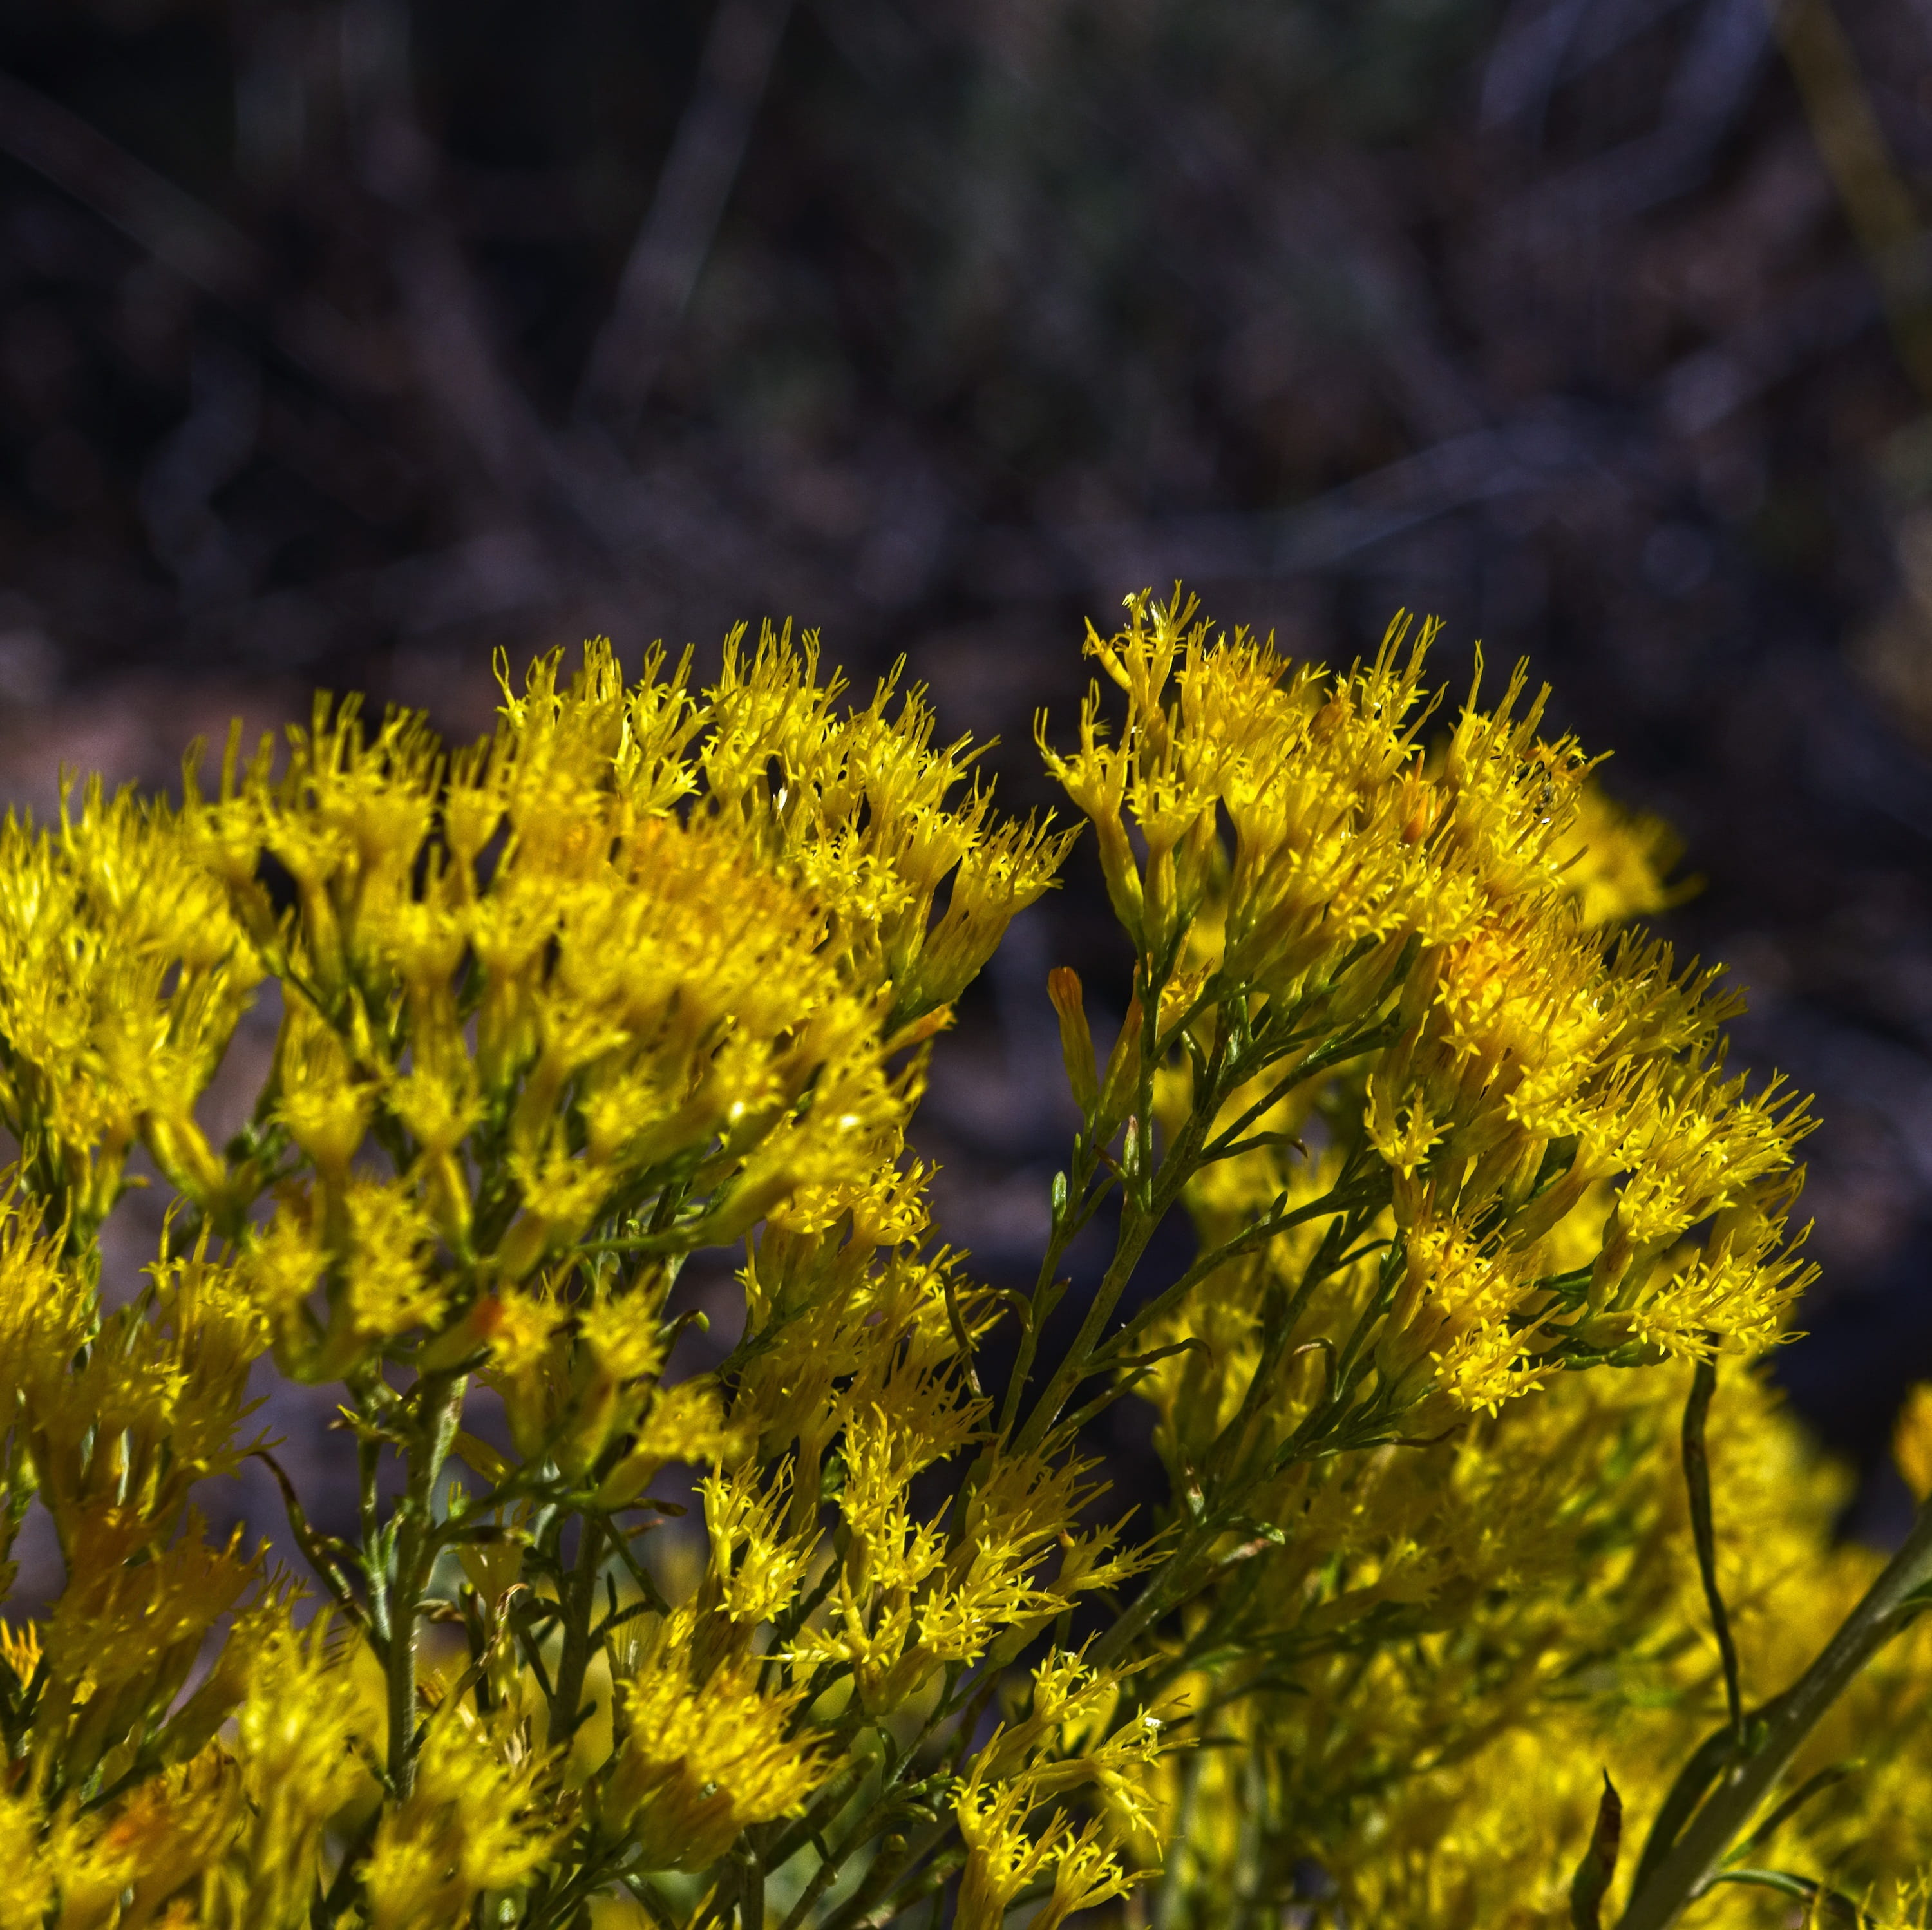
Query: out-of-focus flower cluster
{"type": "Point", "coordinates": [1508, 1617]}
{"type": "Point", "coordinates": [653, 970]}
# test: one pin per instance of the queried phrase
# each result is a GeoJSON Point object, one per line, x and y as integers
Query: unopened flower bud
{"type": "Point", "coordinates": [1076, 1038]}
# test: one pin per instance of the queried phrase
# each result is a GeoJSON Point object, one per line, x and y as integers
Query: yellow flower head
{"type": "Point", "coordinates": [484, 1814]}
{"type": "Point", "coordinates": [700, 1758]}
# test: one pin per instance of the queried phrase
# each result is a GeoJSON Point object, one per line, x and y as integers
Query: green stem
{"type": "Point", "coordinates": [889, 1800]}
{"type": "Point", "coordinates": [1697, 1481]}
{"type": "Point", "coordinates": [579, 1592]}
{"type": "Point", "coordinates": [889, 1860]}
{"type": "Point", "coordinates": [1336, 1200]}
{"type": "Point", "coordinates": [375, 1570]}
{"type": "Point", "coordinates": [1137, 1229]}
{"type": "Point", "coordinates": [1144, 1206]}
{"type": "Point", "coordinates": [824, 1812]}
{"type": "Point", "coordinates": [1162, 1593]}
{"type": "Point", "coordinates": [442, 1407]}
{"type": "Point", "coordinates": [1083, 1202]}
{"type": "Point", "coordinates": [750, 1884]}
{"type": "Point", "coordinates": [1281, 1319]}
{"type": "Point", "coordinates": [1687, 1870]}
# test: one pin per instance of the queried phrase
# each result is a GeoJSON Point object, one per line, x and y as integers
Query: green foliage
{"type": "Point", "coordinates": [652, 970]}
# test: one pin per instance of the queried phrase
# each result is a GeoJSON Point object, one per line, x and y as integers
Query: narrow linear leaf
{"type": "Point", "coordinates": [1829, 1909]}
{"type": "Point", "coordinates": [1812, 1785]}
{"type": "Point", "coordinates": [1697, 1480]}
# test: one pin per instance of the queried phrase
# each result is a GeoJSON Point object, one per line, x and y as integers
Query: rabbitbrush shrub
{"type": "Point", "coordinates": [1466, 1525]}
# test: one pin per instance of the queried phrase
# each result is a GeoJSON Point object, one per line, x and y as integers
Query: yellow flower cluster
{"type": "Point", "coordinates": [1534, 1635]}
{"type": "Point", "coordinates": [654, 969]}
{"type": "Point", "coordinates": [645, 971]}
{"type": "Point", "coordinates": [1431, 1634]}
{"type": "Point", "coordinates": [126, 975]}
{"type": "Point", "coordinates": [699, 1760]}
{"type": "Point", "coordinates": [1396, 989]}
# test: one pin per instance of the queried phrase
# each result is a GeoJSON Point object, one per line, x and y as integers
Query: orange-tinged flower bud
{"type": "Point", "coordinates": [1076, 1039]}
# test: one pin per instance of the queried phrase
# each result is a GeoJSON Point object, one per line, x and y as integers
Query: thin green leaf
{"type": "Point", "coordinates": [1697, 1480]}
{"type": "Point", "coordinates": [1829, 1906]}
{"type": "Point", "coordinates": [1811, 1786]}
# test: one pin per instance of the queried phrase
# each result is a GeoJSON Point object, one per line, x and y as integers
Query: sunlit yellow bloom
{"type": "Point", "coordinates": [484, 1815]}
{"type": "Point", "coordinates": [699, 1758]}
{"type": "Point", "coordinates": [654, 970]}
{"type": "Point", "coordinates": [1001, 1859]}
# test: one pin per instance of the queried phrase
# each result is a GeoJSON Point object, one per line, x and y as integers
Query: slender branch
{"type": "Point", "coordinates": [1163, 1593]}
{"type": "Point", "coordinates": [1887, 1607]}
{"type": "Point", "coordinates": [671, 247]}
{"type": "Point", "coordinates": [1852, 144]}
{"type": "Point", "coordinates": [823, 1811]}
{"type": "Point", "coordinates": [1147, 1198]}
{"type": "Point", "coordinates": [375, 1569]}
{"type": "Point", "coordinates": [1068, 1221]}
{"type": "Point", "coordinates": [1281, 1317]}
{"type": "Point", "coordinates": [185, 234]}
{"type": "Point", "coordinates": [891, 1799]}
{"type": "Point", "coordinates": [579, 1594]}
{"type": "Point", "coordinates": [325, 1554]}
{"type": "Point", "coordinates": [1170, 1897]}
{"type": "Point", "coordinates": [1336, 1200]}
{"type": "Point", "coordinates": [441, 1408]}
{"type": "Point", "coordinates": [1697, 1480]}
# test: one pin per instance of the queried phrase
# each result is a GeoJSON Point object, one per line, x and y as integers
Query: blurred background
{"type": "Point", "coordinates": [344, 341]}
